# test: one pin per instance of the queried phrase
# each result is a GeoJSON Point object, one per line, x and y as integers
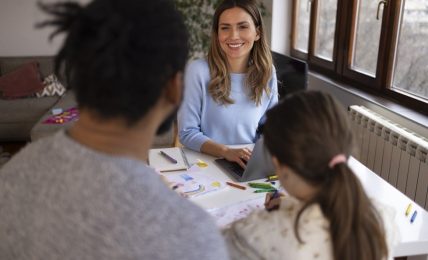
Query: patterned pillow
{"type": "Point", "coordinates": [52, 87]}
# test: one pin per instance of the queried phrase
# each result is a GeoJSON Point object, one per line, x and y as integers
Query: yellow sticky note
{"type": "Point", "coordinates": [201, 163]}
{"type": "Point", "coordinates": [216, 184]}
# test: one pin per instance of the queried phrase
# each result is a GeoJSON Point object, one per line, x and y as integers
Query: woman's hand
{"type": "Point", "coordinates": [238, 155]}
{"type": "Point", "coordinates": [273, 200]}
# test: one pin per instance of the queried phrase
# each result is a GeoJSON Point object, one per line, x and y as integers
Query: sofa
{"type": "Point", "coordinates": [22, 119]}
{"type": "Point", "coordinates": [18, 116]}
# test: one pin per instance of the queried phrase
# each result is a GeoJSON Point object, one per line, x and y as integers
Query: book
{"type": "Point", "coordinates": [192, 183]}
{"type": "Point", "coordinates": [168, 159]}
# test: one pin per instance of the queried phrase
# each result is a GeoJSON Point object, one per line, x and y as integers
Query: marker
{"type": "Point", "coordinates": [412, 219]}
{"type": "Point", "coordinates": [236, 185]}
{"type": "Point", "coordinates": [409, 208]}
{"type": "Point", "coordinates": [273, 177]}
{"type": "Point", "coordinates": [261, 185]}
{"type": "Point", "coordinates": [275, 195]}
{"type": "Point", "coordinates": [169, 158]}
{"type": "Point", "coordinates": [266, 190]}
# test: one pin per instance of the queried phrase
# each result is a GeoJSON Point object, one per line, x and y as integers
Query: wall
{"type": "Point", "coordinates": [281, 26]}
{"type": "Point", "coordinates": [18, 36]}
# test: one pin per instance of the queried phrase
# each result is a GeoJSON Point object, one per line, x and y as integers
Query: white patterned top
{"type": "Point", "coordinates": [270, 235]}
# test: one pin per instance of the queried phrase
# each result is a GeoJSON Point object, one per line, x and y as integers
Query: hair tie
{"type": "Point", "coordinates": [340, 158]}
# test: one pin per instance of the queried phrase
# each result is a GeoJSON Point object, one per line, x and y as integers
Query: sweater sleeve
{"type": "Point", "coordinates": [189, 115]}
{"type": "Point", "coordinates": [273, 99]}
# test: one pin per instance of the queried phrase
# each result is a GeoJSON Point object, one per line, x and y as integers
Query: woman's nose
{"type": "Point", "coordinates": [234, 33]}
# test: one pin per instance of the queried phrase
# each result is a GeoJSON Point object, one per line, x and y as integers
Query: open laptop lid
{"type": "Point", "coordinates": [259, 166]}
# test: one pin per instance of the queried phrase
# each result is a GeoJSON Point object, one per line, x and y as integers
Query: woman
{"type": "Point", "coordinates": [227, 95]}
{"type": "Point", "coordinates": [327, 214]}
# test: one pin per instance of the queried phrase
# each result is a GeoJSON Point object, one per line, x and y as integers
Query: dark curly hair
{"type": "Point", "coordinates": [119, 54]}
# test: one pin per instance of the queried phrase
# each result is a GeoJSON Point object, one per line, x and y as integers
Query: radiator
{"type": "Point", "coordinates": [393, 152]}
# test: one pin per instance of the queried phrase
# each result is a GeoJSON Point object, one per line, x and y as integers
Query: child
{"type": "Point", "coordinates": [327, 214]}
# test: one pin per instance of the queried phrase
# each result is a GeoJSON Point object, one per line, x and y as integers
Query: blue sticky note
{"type": "Point", "coordinates": [186, 177]}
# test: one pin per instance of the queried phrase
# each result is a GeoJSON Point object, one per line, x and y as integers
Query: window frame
{"type": "Point", "coordinates": [339, 70]}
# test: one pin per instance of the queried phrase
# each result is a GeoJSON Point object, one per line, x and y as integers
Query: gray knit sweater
{"type": "Point", "coordinates": [61, 200]}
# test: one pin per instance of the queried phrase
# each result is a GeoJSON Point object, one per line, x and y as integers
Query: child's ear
{"type": "Point", "coordinates": [174, 89]}
{"type": "Point", "coordinates": [276, 162]}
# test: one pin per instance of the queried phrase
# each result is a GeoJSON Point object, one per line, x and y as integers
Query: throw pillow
{"type": "Point", "coordinates": [52, 87]}
{"type": "Point", "coordinates": [22, 82]}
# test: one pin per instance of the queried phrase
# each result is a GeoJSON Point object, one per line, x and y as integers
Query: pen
{"type": "Point", "coordinates": [412, 219]}
{"type": "Point", "coordinates": [409, 208]}
{"type": "Point", "coordinates": [168, 157]}
{"type": "Point", "coordinates": [236, 185]}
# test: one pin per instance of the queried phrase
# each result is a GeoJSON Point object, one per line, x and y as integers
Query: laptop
{"type": "Point", "coordinates": [258, 166]}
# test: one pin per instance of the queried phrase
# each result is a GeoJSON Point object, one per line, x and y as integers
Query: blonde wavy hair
{"type": "Point", "coordinates": [259, 70]}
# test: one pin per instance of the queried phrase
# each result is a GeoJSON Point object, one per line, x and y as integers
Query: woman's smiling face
{"type": "Point", "coordinates": [237, 34]}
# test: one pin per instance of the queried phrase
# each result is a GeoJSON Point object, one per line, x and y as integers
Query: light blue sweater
{"type": "Point", "coordinates": [201, 119]}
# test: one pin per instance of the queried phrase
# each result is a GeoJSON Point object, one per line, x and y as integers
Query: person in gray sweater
{"type": "Point", "coordinates": [87, 193]}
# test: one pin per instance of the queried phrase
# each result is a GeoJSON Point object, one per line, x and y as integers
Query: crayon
{"type": "Point", "coordinates": [236, 185]}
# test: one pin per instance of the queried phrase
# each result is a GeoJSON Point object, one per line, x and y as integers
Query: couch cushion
{"type": "Point", "coordinates": [22, 82]}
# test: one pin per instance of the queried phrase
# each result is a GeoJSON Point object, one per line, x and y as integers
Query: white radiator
{"type": "Point", "coordinates": [396, 154]}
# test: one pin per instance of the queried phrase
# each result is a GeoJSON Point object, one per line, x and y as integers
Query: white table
{"type": "Point", "coordinates": [414, 236]}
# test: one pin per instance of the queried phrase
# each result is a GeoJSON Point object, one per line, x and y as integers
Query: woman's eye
{"type": "Point", "coordinates": [224, 28]}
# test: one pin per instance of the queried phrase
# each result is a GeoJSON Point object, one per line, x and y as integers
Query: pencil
{"type": "Point", "coordinates": [236, 185]}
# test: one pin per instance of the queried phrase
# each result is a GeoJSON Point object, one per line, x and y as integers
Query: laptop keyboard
{"type": "Point", "coordinates": [232, 167]}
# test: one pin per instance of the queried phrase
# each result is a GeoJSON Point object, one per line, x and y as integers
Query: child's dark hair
{"type": "Point", "coordinates": [305, 131]}
{"type": "Point", "coordinates": [119, 54]}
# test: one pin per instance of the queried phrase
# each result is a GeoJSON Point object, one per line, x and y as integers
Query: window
{"type": "Point", "coordinates": [379, 45]}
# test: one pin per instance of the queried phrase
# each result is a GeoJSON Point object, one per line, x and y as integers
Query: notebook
{"type": "Point", "coordinates": [168, 159]}
{"type": "Point", "coordinates": [258, 166]}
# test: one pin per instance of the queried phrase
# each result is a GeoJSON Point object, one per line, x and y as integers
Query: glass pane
{"type": "Point", "coordinates": [411, 63]}
{"type": "Point", "coordinates": [326, 26]}
{"type": "Point", "coordinates": [366, 37]}
{"type": "Point", "coordinates": [302, 28]}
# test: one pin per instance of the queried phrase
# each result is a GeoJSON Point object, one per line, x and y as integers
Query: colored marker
{"type": "Point", "coordinates": [274, 196]}
{"type": "Point", "coordinates": [265, 190]}
{"type": "Point", "coordinates": [169, 158]}
{"type": "Point", "coordinates": [412, 219]}
{"type": "Point", "coordinates": [261, 185]}
{"type": "Point", "coordinates": [409, 208]}
{"type": "Point", "coordinates": [236, 185]}
{"type": "Point", "coordinates": [273, 177]}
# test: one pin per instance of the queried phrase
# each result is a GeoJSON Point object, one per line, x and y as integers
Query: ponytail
{"type": "Point", "coordinates": [356, 227]}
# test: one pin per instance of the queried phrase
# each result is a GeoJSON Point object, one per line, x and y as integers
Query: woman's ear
{"type": "Point", "coordinates": [174, 89]}
{"type": "Point", "coordinates": [257, 33]}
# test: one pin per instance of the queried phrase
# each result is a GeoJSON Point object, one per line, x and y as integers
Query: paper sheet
{"type": "Point", "coordinates": [226, 215]}
{"type": "Point", "coordinates": [193, 183]}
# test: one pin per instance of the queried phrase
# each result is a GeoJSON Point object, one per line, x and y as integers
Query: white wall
{"type": "Point", "coordinates": [18, 36]}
